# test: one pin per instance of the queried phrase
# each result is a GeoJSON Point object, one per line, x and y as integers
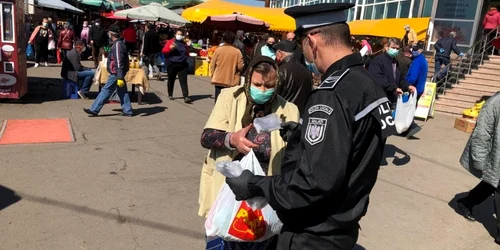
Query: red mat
{"type": "Point", "coordinates": [36, 131]}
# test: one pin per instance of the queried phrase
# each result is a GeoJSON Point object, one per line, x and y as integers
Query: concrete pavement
{"type": "Point", "coordinates": [132, 183]}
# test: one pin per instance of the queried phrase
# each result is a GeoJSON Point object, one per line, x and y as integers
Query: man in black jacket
{"type": "Point", "coordinates": [297, 54]}
{"type": "Point", "coordinates": [150, 49]}
{"type": "Point", "coordinates": [443, 47]}
{"type": "Point", "coordinates": [258, 46]}
{"type": "Point", "coordinates": [332, 158]}
{"type": "Point", "coordinates": [72, 69]}
{"type": "Point", "coordinates": [295, 81]}
{"type": "Point", "coordinates": [98, 39]}
{"type": "Point", "coordinates": [385, 70]}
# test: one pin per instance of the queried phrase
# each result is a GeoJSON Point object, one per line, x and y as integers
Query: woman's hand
{"type": "Point", "coordinates": [239, 141]}
{"type": "Point", "coordinates": [172, 46]}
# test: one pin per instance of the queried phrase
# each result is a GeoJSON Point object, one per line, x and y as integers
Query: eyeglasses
{"type": "Point", "coordinates": [300, 39]}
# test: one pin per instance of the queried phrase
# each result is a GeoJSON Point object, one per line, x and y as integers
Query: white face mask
{"type": "Point", "coordinates": [179, 37]}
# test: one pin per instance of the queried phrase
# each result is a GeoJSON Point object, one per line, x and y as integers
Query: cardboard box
{"type": "Point", "coordinates": [465, 125]}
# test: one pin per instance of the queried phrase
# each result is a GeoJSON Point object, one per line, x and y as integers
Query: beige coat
{"type": "Point", "coordinates": [226, 116]}
{"type": "Point", "coordinates": [412, 37]}
{"type": "Point", "coordinates": [226, 65]}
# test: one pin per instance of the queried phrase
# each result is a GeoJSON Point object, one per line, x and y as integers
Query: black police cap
{"type": "Point", "coordinates": [285, 46]}
{"type": "Point", "coordinates": [318, 15]}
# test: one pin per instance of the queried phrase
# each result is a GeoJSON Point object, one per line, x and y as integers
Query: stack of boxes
{"type": "Point", "coordinates": [202, 66]}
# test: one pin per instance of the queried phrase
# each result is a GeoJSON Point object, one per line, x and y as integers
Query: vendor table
{"type": "Point", "coordinates": [135, 77]}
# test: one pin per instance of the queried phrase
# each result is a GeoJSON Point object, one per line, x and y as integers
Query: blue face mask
{"type": "Point", "coordinates": [261, 97]}
{"type": "Point", "coordinates": [415, 53]}
{"type": "Point", "coordinates": [312, 67]}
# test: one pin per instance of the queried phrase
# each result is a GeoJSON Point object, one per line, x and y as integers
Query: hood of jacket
{"type": "Point", "coordinates": [492, 12]}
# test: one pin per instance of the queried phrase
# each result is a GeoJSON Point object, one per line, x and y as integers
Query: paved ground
{"type": "Point", "coordinates": [132, 183]}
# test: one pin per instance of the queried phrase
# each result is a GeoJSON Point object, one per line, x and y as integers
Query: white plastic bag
{"type": "Point", "coordinates": [267, 123]}
{"type": "Point", "coordinates": [405, 112]}
{"type": "Point", "coordinates": [234, 220]}
{"type": "Point", "coordinates": [52, 45]}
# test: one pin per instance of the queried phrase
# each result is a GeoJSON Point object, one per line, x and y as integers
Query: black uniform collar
{"type": "Point", "coordinates": [344, 63]}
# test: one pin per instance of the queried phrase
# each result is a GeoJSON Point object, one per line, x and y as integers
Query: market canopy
{"type": "Point", "coordinates": [104, 4]}
{"type": "Point", "coordinates": [169, 4]}
{"type": "Point", "coordinates": [58, 5]}
{"type": "Point", "coordinates": [152, 12]}
{"type": "Point", "coordinates": [235, 22]}
{"type": "Point", "coordinates": [276, 17]}
{"type": "Point", "coordinates": [392, 27]}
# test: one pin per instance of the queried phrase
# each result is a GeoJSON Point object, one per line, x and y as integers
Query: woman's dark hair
{"type": "Point", "coordinates": [177, 30]}
{"type": "Point", "coordinates": [264, 68]}
{"type": "Point", "coordinates": [228, 37]}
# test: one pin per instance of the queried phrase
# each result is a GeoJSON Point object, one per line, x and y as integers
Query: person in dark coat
{"type": "Point", "coordinates": [297, 53]}
{"type": "Point", "coordinates": [386, 72]}
{"type": "Point", "coordinates": [404, 61]}
{"type": "Point", "coordinates": [151, 48]}
{"type": "Point", "coordinates": [258, 46]}
{"type": "Point", "coordinates": [295, 81]}
{"type": "Point", "coordinates": [177, 53]}
{"type": "Point", "coordinates": [332, 158]}
{"type": "Point", "coordinates": [443, 47]}
{"type": "Point", "coordinates": [98, 40]}
{"type": "Point", "coordinates": [71, 63]}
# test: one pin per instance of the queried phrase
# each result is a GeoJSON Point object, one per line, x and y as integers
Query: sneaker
{"type": "Point", "coordinates": [187, 100]}
{"type": "Point", "coordinates": [150, 77]}
{"type": "Point", "coordinates": [46, 64]}
{"type": "Point", "coordinates": [37, 65]}
{"type": "Point", "coordinates": [464, 210]}
{"type": "Point", "coordinates": [90, 112]}
{"type": "Point", "coordinates": [82, 95]}
{"type": "Point", "coordinates": [171, 98]}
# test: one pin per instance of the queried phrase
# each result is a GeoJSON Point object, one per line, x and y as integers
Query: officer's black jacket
{"type": "Point", "coordinates": [332, 162]}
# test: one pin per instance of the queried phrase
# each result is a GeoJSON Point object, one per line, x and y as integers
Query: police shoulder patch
{"type": "Point", "coordinates": [315, 131]}
{"type": "Point", "coordinates": [333, 79]}
{"type": "Point", "coordinates": [321, 108]}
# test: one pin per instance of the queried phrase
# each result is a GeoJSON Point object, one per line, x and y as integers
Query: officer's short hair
{"type": "Point", "coordinates": [228, 37]}
{"type": "Point", "coordinates": [264, 68]}
{"type": "Point", "coordinates": [336, 34]}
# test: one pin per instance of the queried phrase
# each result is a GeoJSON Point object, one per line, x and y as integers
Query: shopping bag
{"type": "Point", "coordinates": [242, 221]}
{"type": "Point", "coordinates": [52, 45]}
{"type": "Point", "coordinates": [58, 55]}
{"type": "Point", "coordinates": [405, 112]}
{"type": "Point", "coordinates": [29, 51]}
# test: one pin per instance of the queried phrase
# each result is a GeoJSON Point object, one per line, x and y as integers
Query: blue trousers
{"type": "Point", "coordinates": [87, 77]}
{"type": "Point", "coordinates": [106, 93]}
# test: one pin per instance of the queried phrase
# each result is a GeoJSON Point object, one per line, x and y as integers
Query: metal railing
{"type": "Point", "coordinates": [476, 54]}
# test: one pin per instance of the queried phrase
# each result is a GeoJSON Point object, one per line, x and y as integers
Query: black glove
{"type": "Point", "coordinates": [240, 186]}
{"type": "Point", "coordinates": [287, 129]}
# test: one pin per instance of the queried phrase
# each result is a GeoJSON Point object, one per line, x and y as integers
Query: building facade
{"type": "Point", "coordinates": [371, 9]}
{"type": "Point", "coordinates": [462, 16]}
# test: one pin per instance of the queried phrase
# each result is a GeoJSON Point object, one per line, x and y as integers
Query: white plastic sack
{"type": "Point", "coordinates": [267, 123]}
{"type": "Point", "coordinates": [234, 220]}
{"type": "Point", "coordinates": [405, 112]}
{"type": "Point", "coordinates": [52, 45]}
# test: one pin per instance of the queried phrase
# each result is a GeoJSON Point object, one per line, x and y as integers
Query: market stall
{"type": "Point", "coordinates": [277, 19]}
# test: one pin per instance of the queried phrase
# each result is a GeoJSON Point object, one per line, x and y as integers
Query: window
{"type": "Point", "coordinates": [360, 1]}
{"type": "Point", "coordinates": [392, 10]}
{"type": "Point", "coordinates": [379, 1]}
{"type": "Point", "coordinates": [379, 11]}
{"type": "Point", "coordinates": [358, 13]}
{"type": "Point", "coordinates": [368, 12]}
{"type": "Point", "coordinates": [416, 6]}
{"type": "Point", "coordinates": [404, 9]}
{"type": "Point", "coordinates": [369, 1]}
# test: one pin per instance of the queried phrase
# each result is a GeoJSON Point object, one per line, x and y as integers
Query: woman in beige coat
{"type": "Point", "coordinates": [229, 133]}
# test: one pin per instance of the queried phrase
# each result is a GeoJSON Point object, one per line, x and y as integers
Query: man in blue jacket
{"type": "Point", "coordinates": [443, 47]}
{"type": "Point", "coordinates": [417, 74]}
{"type": "Point", "coordinates": [118, 67]}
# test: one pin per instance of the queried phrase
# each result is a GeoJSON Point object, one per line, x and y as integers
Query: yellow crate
{"type": "Point", "coordinates": [201, 67]}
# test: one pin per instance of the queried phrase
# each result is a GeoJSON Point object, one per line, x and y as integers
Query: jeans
{"type": "Point", "coordinates": [86, 76]}
{"type": "Point", "coordinates": [177, 69]}
{"type": "Point", "coordinates": [106, 93]}
{"type": "Point", "coordinates": [439, 61]}
{"type": "Point", "coordinates": [64, 52]}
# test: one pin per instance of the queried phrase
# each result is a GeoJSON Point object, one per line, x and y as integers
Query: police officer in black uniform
{"type": "Point", "coordinates": [333, 157]}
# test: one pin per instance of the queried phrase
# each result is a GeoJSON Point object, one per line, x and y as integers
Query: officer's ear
{"type": "Point", "coordinates": [312, 42]}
